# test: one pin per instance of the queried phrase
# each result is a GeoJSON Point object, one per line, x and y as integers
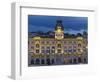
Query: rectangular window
{"type": "Point", "coordinates": [48, 47]}
{"type": "Point", "coordinates": [47, 51]}
{"type": "Point", "coordinates": [79, 45]}
{"type": "Point", "coordinates": [59, 45]}
{"type": "Point", "coordinates": [37, 51]}
{"type": "Point", "coordinates": [43, 51]}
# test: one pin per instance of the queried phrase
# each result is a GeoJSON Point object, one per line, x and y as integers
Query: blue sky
{"type": "Point", "coordinates": [47, 23]}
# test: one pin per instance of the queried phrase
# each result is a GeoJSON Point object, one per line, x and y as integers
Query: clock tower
{"type": "Point", "coordinates": [59, 30]}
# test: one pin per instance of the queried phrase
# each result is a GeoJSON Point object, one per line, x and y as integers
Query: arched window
{"type": "Point", "coordinates": [43, 51]}
{"type": "Point", "coordinates": [79, 45]}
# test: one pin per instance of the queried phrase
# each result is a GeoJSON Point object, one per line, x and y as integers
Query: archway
{"type": "Point", "coordinates": [37, 61]}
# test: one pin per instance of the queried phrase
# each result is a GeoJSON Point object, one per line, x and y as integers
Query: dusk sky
{"type": "Point", "coordinates": [47, 23]}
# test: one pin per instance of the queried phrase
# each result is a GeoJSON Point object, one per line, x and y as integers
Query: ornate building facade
{"type": "Point", "coordinates": [57, 49]}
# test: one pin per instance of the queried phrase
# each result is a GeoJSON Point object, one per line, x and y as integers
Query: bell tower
{"type": "Point", "coordinates": [59, 30]}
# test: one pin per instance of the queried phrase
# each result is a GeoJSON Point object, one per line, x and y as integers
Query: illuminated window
{"type": "Point", "coordinates": [37, 51]}
{"type": "Point", "coordinates": [79, 45]}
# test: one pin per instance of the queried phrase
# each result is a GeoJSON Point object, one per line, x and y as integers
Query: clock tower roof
{"type": "Point", "coordinates": [59, 25]}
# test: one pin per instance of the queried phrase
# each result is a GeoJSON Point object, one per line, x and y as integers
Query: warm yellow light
{"type": "Point", "coordinates": [81, 50]}
{"type": "Point", "coordinates": [59, 30]}
{"type": "Point", "coordinates": [80, 38]}
{"type": "Point", "coordinates": [37, 37]}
